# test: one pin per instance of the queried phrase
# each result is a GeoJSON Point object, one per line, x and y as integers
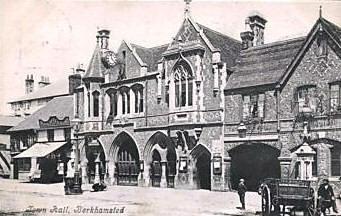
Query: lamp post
{"type": "Point", "coordinates": [77, 188]}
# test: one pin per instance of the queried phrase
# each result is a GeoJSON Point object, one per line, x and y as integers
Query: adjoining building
{"type": "Point", "coordinates": [42, 142]}
{"type": "Point", "coordinates": [34, 99]}
{"type": "Point", "coordinates": [206, 109]}
{"type": "Point", "coordinates": [6, 122]}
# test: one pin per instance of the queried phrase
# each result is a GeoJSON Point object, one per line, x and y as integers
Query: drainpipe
{"type": "Point", "coordinates": [146, 107]}
{"type": "Point", "coordinates": [277, 110]}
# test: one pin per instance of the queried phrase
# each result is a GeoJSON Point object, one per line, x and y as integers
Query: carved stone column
{"type": "Point", "coordinates": [163, 182]}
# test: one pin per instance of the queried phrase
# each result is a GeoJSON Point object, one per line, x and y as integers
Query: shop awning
{"type": "Point", "coordinates": [40, 150]}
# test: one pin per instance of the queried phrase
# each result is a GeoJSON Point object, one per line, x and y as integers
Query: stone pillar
{"type": "Point", "coordinates": [227, 173]}
{"type": "Point", "coordinates": [107, 175]}
{"type": "Point", "coordinates": [146, 175]}
{"type": "Point", "coordinates": [285, 166]}
{"type": "Point", "coordinates": [323, 159]}
{"type": "Point", "coordinates": [111, 173]}
{"type": "Point", "coordinates": [163, 182]}
{"type": "Point", "coordinates": [97, 171]}
{"type": "Point", "coordinates": [84, 176]}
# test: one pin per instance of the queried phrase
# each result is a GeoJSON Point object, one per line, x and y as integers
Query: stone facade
{"type": "Point", "coordinates": [167, 118]}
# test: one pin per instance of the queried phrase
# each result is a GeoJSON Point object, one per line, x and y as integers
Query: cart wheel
{"type": "Point", "coordinates": [266, 201]}
{"type": "Point", "coordinates": [311, 209]}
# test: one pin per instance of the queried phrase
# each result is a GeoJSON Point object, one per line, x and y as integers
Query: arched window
{"type": "Point", "coordinates": [95, 96]}
{"type": "Point", "coordinates": [113, 103]}
{"type": "Point", "coordinates": [183, 82]}
{"type": "Point", "coordinates": [138, 94]}
{"type": "Point", "coordinates": [125, 99]}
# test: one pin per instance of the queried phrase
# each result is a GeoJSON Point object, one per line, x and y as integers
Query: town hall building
{"type": "Point", "coordinates": [206, 109]}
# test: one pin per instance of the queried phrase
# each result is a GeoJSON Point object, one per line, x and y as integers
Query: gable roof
{"type": "Point", "coordinates": [228, 46]}
{"type": "Point", "coordinates": [263, 64]}
{"type": "Point", "coordinates": [331, 29]}
{"type": "Point", "coordinates": [150, 56]}
{"type": "Point", "coordinates": [60, 107]}
{"type": "Point", "coordinates": [58, 88]}
{"type": "Point", "coordinates": [96, 68]}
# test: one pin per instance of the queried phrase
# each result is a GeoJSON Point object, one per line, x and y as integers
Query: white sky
{"type": "Point", "coordinates": [50, 37]}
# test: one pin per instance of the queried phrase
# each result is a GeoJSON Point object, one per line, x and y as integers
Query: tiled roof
{"type": "Point", "coordinates": [228, 46]}
{"type": "Point", "coordinates": [60, 107]}
{"type": "Point", "coordinates": [10, 120]}
{"type": "Point", "coordinates": [334, 29]}
{"type": "Point", "coordinates": [263, 64]}
{"type": "Point", "coordinates": [60, 87]}
{"type": "Point", "coordinates": [150, 56]}
{"type": "Point", "coordinates": [96, 67]}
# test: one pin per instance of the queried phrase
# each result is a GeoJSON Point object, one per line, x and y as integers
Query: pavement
{"type": "Point", "coordinates": [18, 198]}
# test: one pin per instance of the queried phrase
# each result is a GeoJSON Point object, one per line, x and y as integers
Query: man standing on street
{"type": "Point", "coordinates": [241, 192]}
{"type": "Point", "coordinates": [326, 197]}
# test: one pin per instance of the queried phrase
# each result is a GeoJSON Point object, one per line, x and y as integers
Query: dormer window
{"type": "Point", "coordinates": [253, 106]}
{"type": "Point", "coordinates": [183, 80]}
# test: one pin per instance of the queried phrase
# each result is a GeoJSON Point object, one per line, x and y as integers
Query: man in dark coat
{"type": "Point", "coordinates": [241, 192]}
{"type": "Point", "coordinates": [326, 196]}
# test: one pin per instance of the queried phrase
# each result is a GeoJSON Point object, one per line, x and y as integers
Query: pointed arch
{"type": "Point", "coordinates": [198, 150]}
{"type": "Point", "coordinates": [162, 140]}
{"type": "Point", "coordinates": [119, 141]}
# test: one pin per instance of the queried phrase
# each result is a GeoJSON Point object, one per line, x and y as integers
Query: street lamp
{"type": "Point", "coordinates": [77, 188]}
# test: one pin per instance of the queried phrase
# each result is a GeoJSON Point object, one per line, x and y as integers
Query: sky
{"type": "Point", "coordinates": [50, 37]}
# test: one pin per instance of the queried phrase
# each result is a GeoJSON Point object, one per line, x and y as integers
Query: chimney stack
{"type": "Point", "coordinates": [29, 84]}
{"type": "Point", "coordinates": [257, 25]}
{"type": "Point", "coordinates": [103, 38]}
{"type": "Point", "coordinates": [44, 81]}
{"type": "Point", "coordinates": [75, 79]}
{"type": "Point", "coordinates": [247, 36]}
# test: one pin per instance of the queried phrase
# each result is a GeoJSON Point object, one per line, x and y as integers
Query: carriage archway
{"type": "Point", "coordinates": [201, 157]}
{"type": "Point", "coordinates": [254, 162]}
{"type": "Point", "coordinates": [159, 154]}
{"type": "Point", "coordinates": [126, 157]}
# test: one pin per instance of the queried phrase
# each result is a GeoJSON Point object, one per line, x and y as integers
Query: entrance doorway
{"type": "Point", "coordinates": [201, 157]}
{"type": "Point", "coordinates": [254, 163]}
{"type": "Point", "coordinates": [127, 165]}
{"type": "Point", "coordinates": [156, 169]}
{"type": "Point", "coordinates": [204, 171]}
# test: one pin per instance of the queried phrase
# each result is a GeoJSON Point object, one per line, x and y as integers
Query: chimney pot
{"type": "Point", "coordinates": [103, 38]}
{"type": "Point", "coordinates": [256, 23]}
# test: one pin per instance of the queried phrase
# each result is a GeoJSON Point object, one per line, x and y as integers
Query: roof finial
{"type": "Point", "coordinates": [187, 7]}
{"type": "Point", "coordinates": [320, 11]}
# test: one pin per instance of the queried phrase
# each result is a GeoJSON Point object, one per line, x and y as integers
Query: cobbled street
{"type": "Point", "coordinates": [39, 199]}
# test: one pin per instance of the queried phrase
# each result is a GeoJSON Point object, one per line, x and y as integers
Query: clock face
{"type": "Point", "coordinates": [110, 58]}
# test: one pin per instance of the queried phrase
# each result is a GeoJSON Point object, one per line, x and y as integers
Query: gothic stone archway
{"type": "Point", "coordinates": [201, 157]}
{"type": "Point", "coordinates": [160, 159]}
{"type": "Point", "coordinates": [254, 162]}
{"type": "Point", "coordinates": [126, 157]}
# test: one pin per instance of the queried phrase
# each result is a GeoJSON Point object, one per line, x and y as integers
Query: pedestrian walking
{"type": "Point", "coordinates": [241, 192]}
{"type": "Point", "coordinates": [70, 174]}
{"type": "Point", "coordinates": [326, 197]}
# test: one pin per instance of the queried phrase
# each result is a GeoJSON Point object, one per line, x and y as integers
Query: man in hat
{"type": "Point", "coordinates": [241, 192]}
{"type": "Point", "coordinates": [326, 197]}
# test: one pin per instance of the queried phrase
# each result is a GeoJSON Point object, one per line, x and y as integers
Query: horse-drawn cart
{"type": "Point", "coordinates": [285, 196]}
